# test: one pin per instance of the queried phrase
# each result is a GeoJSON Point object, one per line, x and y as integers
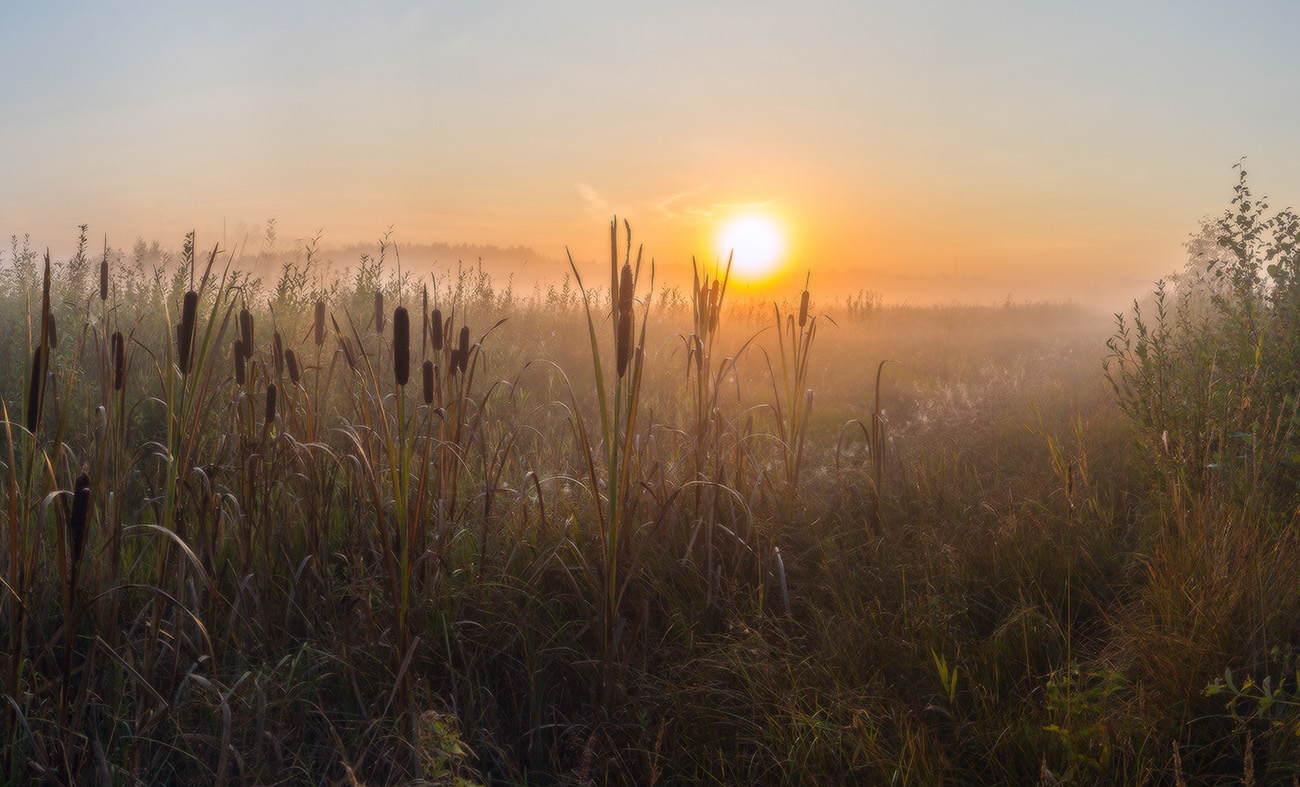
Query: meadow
{"type": "Point", "coordinates": [378, 526]}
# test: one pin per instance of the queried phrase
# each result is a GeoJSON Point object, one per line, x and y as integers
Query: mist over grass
{"type": "Point", "coordinates": [814, 538]}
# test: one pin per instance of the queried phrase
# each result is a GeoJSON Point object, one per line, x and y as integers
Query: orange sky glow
{"type": "Point", "coordinates": [929, 153]}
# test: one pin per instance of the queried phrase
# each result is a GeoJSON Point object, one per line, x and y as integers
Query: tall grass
{"type": "Point", "coordinates": [267, 534]}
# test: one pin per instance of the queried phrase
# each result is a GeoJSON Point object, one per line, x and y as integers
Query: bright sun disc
{"type": "Point", "coordinates": [756, 242]}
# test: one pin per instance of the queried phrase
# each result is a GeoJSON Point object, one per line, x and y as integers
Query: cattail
{"type": "Point", "coordinates": [320, 323]}
{"type": "Point", "coordinates": [53, 331]}
{"type": "Point", "coordinates": [291, 359]}
{"type": "Point", "coordinates": [77, 518]}
{"type": "Point", "coordinates": [103, 277]}
{"type": "Point", "coordinates": [464, 347]}
{"type": "Point", "coordinates": [625, 289]}
{"type": "Point", "coordinates": [36, 390]}
{"type": "Point", "coordinates": [401, 345]}
{"type": "Point", "coordinates": [270, 404]}
{"type": "Point", "coordinates": [246, 331]}
{"type": "Point", "coordinates": [119, 360]}
{"type": "Point", "coordinates": [428, 382]}
{"type": "Point", "coordinates": [277, 354]}
{"type": "Point", "coordinates": [240, 357]}
{"type": "Point", "coordinates": [185, 334]}
{"type": "Point", "coordinates": [435, 327]}
{"type": "Point", "coordinates": [623, 347]}
{"type": "Point", "coordinates": [803, 309]}
{"type": "Point", "coordinates": [379, 312]}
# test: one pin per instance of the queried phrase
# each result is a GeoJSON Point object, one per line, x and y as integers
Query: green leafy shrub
{"type": "Point", "coordinates": [1207, 368]}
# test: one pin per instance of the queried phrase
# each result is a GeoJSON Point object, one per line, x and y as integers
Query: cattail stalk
{"type": "Point", "coordinates": [291, 360]}
{"type": "Point", "coordinates": [77, 520]}
{"type": "Point", "coordinates": [270, 404]}
{"type": "Point", "coordinates": [246, 332]}
{"type": "Point", "coordinates": [36, 389]}
{"type": "Point", "coordinates": [623, 347]}
{"type": "Point", "coordinates": [435, 329]}
{"type": "Point", "coordinates": [401, 345]}
{"type": "Point", "coordinates": [320, 323]}
{"type": "Point", "coordinates": [185, 333]}
{"type": "Point", "coordinates": [240, 373]}
{"type": "Point", "coordinates": [119, 360]}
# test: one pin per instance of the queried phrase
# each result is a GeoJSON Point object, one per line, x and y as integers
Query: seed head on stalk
{"type": "Point", "coordinates": [185, 334]}
{"type": "Point", "coordinates": [103, 273]}
{"type": "Point", "coordinates": [379, 311]}
{"type": "Point", "coordinates": [36, 389]}
{"type": "Point", "coordinates": [320, 323]}
{"type": "Point", "coordinates": [623, 347]}
{"type": "Point", "coordinates": [427, 370]}
{"type": "Point", "coordinates": [77, 518]}
{"type": "Point", "coordinates": [119, 360]}
{"type": "Point", "coordinates": [240, 358]}
{"type": "Point", "coordinates": [435, 329]}
{"type": "Point", "coordinates": [246, 332]}
{"type": "Point", "coordinates": [291, 360]}
{"type": "Point", "coordinates": [270, 404]}
{"type": "Point", "coordinates": [401, 345]}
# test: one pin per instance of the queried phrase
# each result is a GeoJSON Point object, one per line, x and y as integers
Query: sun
{"type": "Point", "coordinates": [757, 245]}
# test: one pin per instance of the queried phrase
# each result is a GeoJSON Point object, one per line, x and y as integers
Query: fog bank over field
{"type": "Point", "coordinates": [526, 269]}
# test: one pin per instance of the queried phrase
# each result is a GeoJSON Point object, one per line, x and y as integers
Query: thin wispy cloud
{"type": "Point", "coordinates": [597, 205]}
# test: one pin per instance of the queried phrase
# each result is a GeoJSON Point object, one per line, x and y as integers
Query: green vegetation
{"type": "Point", "coordinates": [628, 535]}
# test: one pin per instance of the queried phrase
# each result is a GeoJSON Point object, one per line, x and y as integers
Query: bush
{"type": "Point", "coordinates": [1207, 368]}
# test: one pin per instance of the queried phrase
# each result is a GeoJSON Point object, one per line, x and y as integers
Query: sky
{"type": "Point", "coordinates": [925, 150]}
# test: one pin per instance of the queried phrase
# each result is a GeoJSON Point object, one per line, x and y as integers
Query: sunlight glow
{"type": "Point", "coordinates": [757, 242]}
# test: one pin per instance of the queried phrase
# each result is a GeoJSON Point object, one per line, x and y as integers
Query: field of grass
{"type": "Point", "coordinates": [382, 529]}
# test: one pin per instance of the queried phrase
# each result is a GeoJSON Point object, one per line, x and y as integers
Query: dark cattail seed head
{"type": "Point", "coordinates": [103, 278]}
{"type": "Point", "coordinates": [623, 347]}
{"type": "Point", "coordinates": [428, 382]}
{"type": "Point", "coordinates": [625, 289]}
{"type": "Point", "coordinates": [35, 390]}
{"type": "Point", "coordinates": [435, 328]}
{"type": "Point", "coordinates": [77, 518]}
{"type": "Point", "coordinates": [320, 323]}
{"type": "Point", "coordinates": [270, 404]}
{"type": "Point", "coordinates": [291, 360]}
{"type": "Point", "coordinates": [119, 360]}
{"type": "Point", "coordinates": [401, 345]}
{"type": "Point", "coordinates": [240, 359]}
{"type": "Point", "coordinates": [185, 334]}
{"type": "Point", "coordinates": [379, 312]}
{"type": "Point", "coordinates": [246, 331]}
{"type": "Point", "coordinates": [803, 309]}
{"type": "Point", "coordinates": [464, 347]}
